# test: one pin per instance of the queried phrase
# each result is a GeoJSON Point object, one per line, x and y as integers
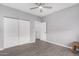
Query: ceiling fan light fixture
{"type": "Point", "coordinates": [40, 7]}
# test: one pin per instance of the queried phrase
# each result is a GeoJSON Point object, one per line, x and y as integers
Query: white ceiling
{"type": "Point", "coordinates": [26, 7]}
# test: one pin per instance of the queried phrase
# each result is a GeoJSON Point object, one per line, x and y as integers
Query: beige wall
{"type": "Point", "coordinates": [9, 12]}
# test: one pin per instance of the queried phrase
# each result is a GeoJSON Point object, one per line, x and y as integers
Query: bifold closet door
{"type": "Point", "coordinates": [10, 32]}
{"type": "Point", "coordinates": [24, 32]}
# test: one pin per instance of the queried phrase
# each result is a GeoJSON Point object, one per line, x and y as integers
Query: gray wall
{"type": "Point", "coordinates": [63, 26]}
{"type": "Point", "coordinates": [10, 12]}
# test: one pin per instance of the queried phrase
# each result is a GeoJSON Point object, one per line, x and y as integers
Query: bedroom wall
{"type": "Point", "coordinates": [63, 26]}
{"type": "Point", "coordinates": [10, 12]}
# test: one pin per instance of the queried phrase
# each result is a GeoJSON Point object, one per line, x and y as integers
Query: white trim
{"type": "Point", "coordinates": [58, 44]}
{"type": "Point", "coordinates": [44, 40]}
{"type": "Point", "coordinates": [1, 49]}
{"type": "Point", "coordinates": [32, 42]}
{"type": "Point", "coordinates": [17, 45]}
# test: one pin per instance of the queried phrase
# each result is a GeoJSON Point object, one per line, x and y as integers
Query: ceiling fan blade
{"type": "Point", "coordinates": [34, 7]}
{"type": "Point", "coordinates": [41, 10]}
{"type": "Point", "coordinates": [47, 7]}
{"type": "Point", "coordinates": [40, 4]}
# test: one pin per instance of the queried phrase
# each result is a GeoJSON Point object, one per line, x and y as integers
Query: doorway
{"type": "Point", "coordinates": [40, 30]}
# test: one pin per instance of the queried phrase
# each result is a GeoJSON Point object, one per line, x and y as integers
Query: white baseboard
{"type": "Point", "coordinates": [58, 44]}
{"type": "Point", "coordinates": [17, 45]}
{"type": "Point", "coordinates": [44, 40]}
{"type": "Point", "coordinates": [1, 49]}
{"type": "Point", "coordinates": [32, 41]}
{"type": "Point", "coordinates": [48, 42]}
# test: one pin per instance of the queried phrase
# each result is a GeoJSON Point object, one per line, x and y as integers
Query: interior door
{"type": "Point", "coordinates": [43, 31]}
{"type": "Point", "coordinates": [10, 32]}
{"type": "Point", "coordinates": [37, 29]}
{"type": "Point", "coordinates": [24, 32]}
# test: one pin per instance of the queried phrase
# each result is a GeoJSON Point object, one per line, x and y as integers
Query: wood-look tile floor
{"type": "Point", "coordinates": [39, 48]}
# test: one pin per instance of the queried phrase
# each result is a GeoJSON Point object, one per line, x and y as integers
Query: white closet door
{"type": "Point", "coordinates": [10, 32]}
{"type": "Point", "coordinates": [24, 32]}
{"type": "Point", "coordinates": [43, 31]}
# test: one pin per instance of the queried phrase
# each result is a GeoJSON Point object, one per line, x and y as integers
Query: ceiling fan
{"type": "Point", "coordinates": [41, 6]}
